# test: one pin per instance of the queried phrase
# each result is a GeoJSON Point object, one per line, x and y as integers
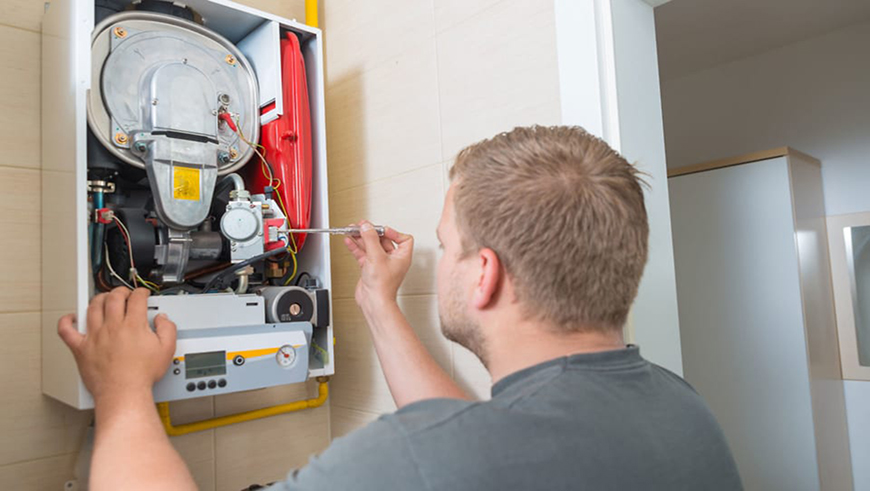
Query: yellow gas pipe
{"type": "Point", "coordinates": [172, 430]}
{"type": "Point", "coordinates": [311, 13]}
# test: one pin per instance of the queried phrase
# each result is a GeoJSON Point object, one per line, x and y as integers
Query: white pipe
{"type": "Point", "coordinates": [237, 181]}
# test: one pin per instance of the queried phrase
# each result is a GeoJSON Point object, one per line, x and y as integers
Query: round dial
{"type": "Point", "coordinates": [286, 355]}
{"type": "Point", "coordinates": [239, 224]}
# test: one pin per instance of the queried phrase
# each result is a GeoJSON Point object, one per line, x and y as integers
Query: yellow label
{"type": "Point", "coordinates": [185, 183]}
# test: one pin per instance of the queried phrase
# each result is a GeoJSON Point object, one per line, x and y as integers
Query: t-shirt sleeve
{"type": "Point", "coordinates": [375, 457]}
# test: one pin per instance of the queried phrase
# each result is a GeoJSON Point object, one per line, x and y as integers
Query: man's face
{"type": "Point", "coordinates": [456, 282]}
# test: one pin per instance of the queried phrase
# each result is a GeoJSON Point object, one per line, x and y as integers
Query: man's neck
{"type": "Point", "coordinates": [531, 344]}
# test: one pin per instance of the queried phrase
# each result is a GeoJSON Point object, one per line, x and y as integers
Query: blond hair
{"type": "Point", "coordinates": [565, 214]}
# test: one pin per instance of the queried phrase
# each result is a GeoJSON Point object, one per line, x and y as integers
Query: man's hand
{"type": "Point", "coordinates": [383, 261]}
{"type": "Point", "coordinates": [120, 353]}
{"type": "Point", "coordinates": [120, 358]}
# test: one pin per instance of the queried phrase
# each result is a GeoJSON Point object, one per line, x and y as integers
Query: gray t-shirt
{"type": "Point", "coordinates": [601, 421]}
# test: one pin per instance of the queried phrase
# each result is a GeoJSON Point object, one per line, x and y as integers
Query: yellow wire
{"type": "Point", "coordinates": [291, 247]}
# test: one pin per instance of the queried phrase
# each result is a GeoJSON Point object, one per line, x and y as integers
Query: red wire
{"type": "Point", "coordinates": [226, 118]}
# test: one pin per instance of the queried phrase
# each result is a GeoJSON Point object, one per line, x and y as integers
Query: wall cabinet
{"type": "Point", "coordinates": [757, 324]}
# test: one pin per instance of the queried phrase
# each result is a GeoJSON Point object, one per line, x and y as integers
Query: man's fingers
{"type": "Point", "coordinates": [95, 312]}
{"type": "Point", "coordinates": [387, 244]}
{"type": "Point", "coordinates": [354, 248]}
{"type": "Point", "coordinates": [396, 236]}
{"type": "Point", "coordinates": [137, 306]}
{"type": "Point", "coordinates": [371, 240]}
{"type": "Point", "coordinates": [67, 331]}
{"type": "Point", "coordinates": [116, 306]}
{"type": "Point", "coordinates": [166, 332]}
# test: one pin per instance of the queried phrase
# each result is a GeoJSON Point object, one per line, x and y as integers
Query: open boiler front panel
{"type": "Point", "coordinates": [181, 144]}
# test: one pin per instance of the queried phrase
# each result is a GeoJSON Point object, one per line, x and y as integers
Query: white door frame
{"type": "Point", "coordinates": [608, 75]}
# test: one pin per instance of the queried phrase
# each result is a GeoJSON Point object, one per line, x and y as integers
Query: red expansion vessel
{"type": "Point", "coordinates": [288, 142]}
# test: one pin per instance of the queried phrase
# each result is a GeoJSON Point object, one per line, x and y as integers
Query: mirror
{"type": "Point", "coordinates": [858, 257]}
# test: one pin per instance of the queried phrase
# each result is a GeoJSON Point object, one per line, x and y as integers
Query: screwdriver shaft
{"type": "Point", "coordinates": [352, 231]}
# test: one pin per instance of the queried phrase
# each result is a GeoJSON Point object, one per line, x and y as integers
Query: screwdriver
{"type": "Point", "coordinates": [351, 231]}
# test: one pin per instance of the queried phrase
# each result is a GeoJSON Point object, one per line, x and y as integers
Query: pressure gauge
{"type": "Point", "coordinates": [286, 356]}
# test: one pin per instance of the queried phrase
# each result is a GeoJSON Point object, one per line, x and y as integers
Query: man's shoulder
{"type": "Point", "coordinates": [430, 413]}
{"type": "Point", "coordinates": [357, 460]}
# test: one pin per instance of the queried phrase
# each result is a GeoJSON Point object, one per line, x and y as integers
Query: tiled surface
{"type": "Point", "coordinates": [409, 202]}
{"type": "Point", "coordinates": [203, 474]}
{"type": "Point", "coordinates": [20, 257]}
{"type": "Point", "coordinates": [292, 9]}
{"type": "Point", "coordinates": [354, 343]}
{"type": "Point", "coordinates": [359, 382]}
{"type": "Point", "coordinates": [361, 386]}
{"type": "Point", "coordinates": [360, 35]}
{"type": "Point", "coordinates": [448, 13]}
{"type": "Point", "coordinates": [257, 399]}
{"type": "Point", "coordinates": [24, 14]}
{"type": "Point", "coordinates": [32, 426]}
{"type": "Point", "coordinates": [22, 197]}
{"type": "Point", "coordinates": [344, 420]}
{"type": "Point", "coordinates": [387, 119]}
{"type": "Point", "coordinates": [38, 475]}
{"type": "Point", "coordinates": [265, 450]}
{"type": "Point", "coordinates": [59, 261]}
{"type": "Point", "coordinates": [19, 108]}
{"type": "Point", "coordinates": [498, 71]}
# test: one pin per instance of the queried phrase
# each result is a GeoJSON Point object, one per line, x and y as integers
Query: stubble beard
{"type": "Point", "coordinates": [457, 327]}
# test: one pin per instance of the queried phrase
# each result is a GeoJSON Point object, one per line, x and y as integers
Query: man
{"type": "Point", "coordinates": [544, 238]}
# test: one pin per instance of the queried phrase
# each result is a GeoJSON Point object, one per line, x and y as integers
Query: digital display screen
{"type": "Point", "coordinates": [198, 365]}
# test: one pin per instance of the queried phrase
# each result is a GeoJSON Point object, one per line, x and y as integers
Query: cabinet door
{"type": "Point", "coordinates": [66, 78]}
{"type": "Point", "coordinates": [741, 324]}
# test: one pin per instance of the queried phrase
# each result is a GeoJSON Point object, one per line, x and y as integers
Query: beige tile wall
{"type": "Point", "coordinates": [408, 84]}
{"type": "Point", "coordinates": [41, 437]}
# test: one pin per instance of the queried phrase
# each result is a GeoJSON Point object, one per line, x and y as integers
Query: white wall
{"type": "Point", "coordinates": [608, 82]}
{"type": "Point", "coordinates": [814, 96]}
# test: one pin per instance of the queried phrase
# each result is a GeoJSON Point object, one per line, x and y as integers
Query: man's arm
{"type": "Point", "coordinates": [411, 372]}
{"type": "Point", "coordinates": [120, 358]}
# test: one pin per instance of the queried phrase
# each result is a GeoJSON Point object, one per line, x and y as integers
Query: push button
{"type": "Point", "coordinates": [200, 386]}
{"type": "Point", "coordinates": [222, 383]}
{"type": "Point", "coordinates": [212, 384]}
{"type": "Point", "coordinates": [191, 387]}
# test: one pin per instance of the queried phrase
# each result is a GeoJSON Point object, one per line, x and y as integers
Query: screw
{"type": "Point", "coordinates": [121, 138]}
{"type": "Point", "coordinates": [184, 60]}
{"type": "Point", "coordinates": [224, 99]}
{"type": "Point", "coordinates": [234, 154]}
{"type": "Point", "coordinates": [224, 157]}
{"type": "Point", "coordinates": [230, 59]}
{"type": "Point", "coordinates": [141, 147]}
{"type": "Point", "coordinates": [120, 32]}
{"type": "Point", "coordinates": [154, 101]}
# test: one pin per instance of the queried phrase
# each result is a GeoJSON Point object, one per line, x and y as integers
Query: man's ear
{"type": "Point", "coordinates": [487, 289]}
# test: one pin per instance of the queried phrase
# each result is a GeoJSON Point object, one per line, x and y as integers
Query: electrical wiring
{"type": "Point", "coordinates": [302, 275]}
{"type": "Point", "coordinates": [113, 273]}
{"type": "Point", "coordinates": [126, 234]}
{"type": "Point", "coordinates": [275, 184]}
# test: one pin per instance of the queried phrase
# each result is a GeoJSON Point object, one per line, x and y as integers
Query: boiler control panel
{"type": "Point", "coordinates": [230, 359]}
